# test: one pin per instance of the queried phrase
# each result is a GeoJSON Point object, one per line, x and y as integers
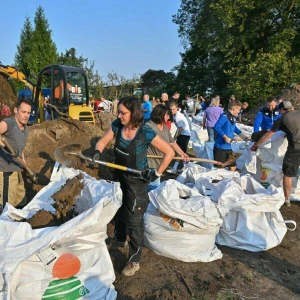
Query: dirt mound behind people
{"type": "Point", "coordinates": [7, 94]}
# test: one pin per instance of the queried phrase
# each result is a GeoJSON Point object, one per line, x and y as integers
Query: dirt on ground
{"type": "Point", "coordinates": [273, 274]}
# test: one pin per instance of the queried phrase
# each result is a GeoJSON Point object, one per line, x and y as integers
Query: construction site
{"type": "Point", "coordinates": [236, 274]}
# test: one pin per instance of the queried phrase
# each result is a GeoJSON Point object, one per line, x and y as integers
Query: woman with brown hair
{"type": "Point", "coordinates": [133, 137]}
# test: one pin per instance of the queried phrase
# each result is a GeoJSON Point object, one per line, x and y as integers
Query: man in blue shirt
{"type": "Point", "coordinates": [266, 117]}
{"type": "Point", "coordinates": [225, 129]}
{"type": "Point", "coordinates": [147, 108]}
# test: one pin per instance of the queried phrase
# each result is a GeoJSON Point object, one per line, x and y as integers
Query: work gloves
{"type": "Point", "coordinates": [150, 175]}
{"type": "Point", "coordinates": [97, 155]}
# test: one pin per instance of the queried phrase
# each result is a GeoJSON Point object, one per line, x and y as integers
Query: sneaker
{"type": "Point", "coordinates": [131, 268]}
{"type": "Point", "coordinates": [287, 202]}
{"type": "Point", "coordinates": [115, 244]}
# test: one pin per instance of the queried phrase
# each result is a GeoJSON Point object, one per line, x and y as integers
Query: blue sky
{"type": "Point", "coordinates": [125, 36]}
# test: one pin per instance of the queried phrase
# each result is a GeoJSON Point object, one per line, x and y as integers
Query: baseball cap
{"type": "Point", "coordinates": [285, 105]}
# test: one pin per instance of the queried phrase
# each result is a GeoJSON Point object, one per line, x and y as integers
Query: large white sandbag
{"type": "Point", "coordinates": [69, 261]}
{"type": "Point", "coordinates": [180, 217]}
{"type": "Point", "coordinates": [251, 217]}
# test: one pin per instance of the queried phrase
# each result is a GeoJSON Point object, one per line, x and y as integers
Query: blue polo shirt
{"type": "Point", "coordinates": [147, 105]}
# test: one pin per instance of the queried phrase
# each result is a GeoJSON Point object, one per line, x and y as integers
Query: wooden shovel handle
{"type": "Point", "coordinates": [17, 158]}
{"type": "Point", "coordinates": [191, 159]}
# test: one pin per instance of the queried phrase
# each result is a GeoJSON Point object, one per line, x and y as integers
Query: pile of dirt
{"type": "Point", "coordinates": [65, 206]}
{"type": "Point", "coordinates": [7, 94]}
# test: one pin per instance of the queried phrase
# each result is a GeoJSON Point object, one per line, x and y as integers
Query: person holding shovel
{"type": "Point", "coordinates": [14, 130]}
{"type": "Point", "coordinates": [159, 118]}
{"type": "Point", "coordinates": [133, 137]}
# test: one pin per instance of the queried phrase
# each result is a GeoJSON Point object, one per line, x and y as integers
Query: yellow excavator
{"type": "Point", "coordinates": [68, 96]}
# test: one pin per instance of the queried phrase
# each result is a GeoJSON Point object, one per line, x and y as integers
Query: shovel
{"type": "Point", "coordinates": [66, 156]}
{"type": "Point", "coordinates": [222, 165]}
{"type": "Point", "coordinates": [19, 160]}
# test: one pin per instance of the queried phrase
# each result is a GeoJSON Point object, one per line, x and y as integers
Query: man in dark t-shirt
{"type": "Point", "coordinates": [289, 123]}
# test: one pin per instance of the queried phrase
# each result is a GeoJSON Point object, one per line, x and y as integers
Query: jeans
{"type": "Point", "coordinates": [211, 134]}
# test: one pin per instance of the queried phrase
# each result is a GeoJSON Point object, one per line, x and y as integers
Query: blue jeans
{"type": "Point", "coordinates": [153, 185]}
{"type": "Point", "coordinates": [211, 134]}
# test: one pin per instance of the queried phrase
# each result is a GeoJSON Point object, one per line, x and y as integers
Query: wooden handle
{"type": "Point", "coordinates": [191, 159]}
{"type": "Point", "coordinates": [17, 158]}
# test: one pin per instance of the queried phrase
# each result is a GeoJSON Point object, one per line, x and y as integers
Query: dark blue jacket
{"type": "Point", "coordinates": [226, 125]}
{"type": "Point", "coordinates": [265, 119]}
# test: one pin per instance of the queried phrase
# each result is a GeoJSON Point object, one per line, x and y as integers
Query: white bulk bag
{"type": "Point", "coordinates": [70, 260]}
{"type": "Point", "coordinates": [195, 240]}
{"type": "Point", "coordinates": [251, 217]}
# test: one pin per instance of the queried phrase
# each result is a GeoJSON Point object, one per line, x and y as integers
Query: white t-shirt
{"type": "Point", "coordinates": [105, 105]}
{"type": "Point", "coordinates": [181, 121]}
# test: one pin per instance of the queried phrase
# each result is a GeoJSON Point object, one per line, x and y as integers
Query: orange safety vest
{"type": "Point", "coordinates": [59, 90]}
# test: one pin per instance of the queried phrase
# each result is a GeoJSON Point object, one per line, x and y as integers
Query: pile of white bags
{"type": "Point", "coordinates": [66, 262]}
{"type": "Point", "coordinates": [182, 224]}
{"type": "Point", "coordinates": [251, 217]}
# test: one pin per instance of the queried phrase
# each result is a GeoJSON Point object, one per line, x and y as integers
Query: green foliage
{"type": "Point", "coordinates": [36, 48]}
{"type": "Point", "coordinates": [246, 47]}
{"type": "Point", "coordinates": [156, 82]}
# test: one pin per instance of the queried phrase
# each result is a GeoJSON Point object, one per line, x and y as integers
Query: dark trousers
{"type": "Point", "coordinates": [182, 141]}
{"type": "Point", "coordinates": [129, 218]}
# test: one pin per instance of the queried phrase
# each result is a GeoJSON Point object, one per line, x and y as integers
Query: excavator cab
{"type": "Point", "coordinates": [68, 93]}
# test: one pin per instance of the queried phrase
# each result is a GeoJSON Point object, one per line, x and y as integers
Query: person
{"type": "Point", "coordinates": [175, 98]}
{"type": "Point", "coordinates": [147, 108]}
{"type": "Point", "coordinates": [59, 91]}
{"type": "Point", "coordinates": [266, 117]}
{"type": "Point", "coordinates": [165, 101]}
{"type": "Point", "coordinates": [114, 107]}
{"type": "Point", "coordinates": [279, 99]}
{"type": "Point", "coordinates": [289, 122]}
{"type": "Point", "coordinates": [14, 130]}
{"type": "Point", "coordinates": [189, 104]}
{"type": "Point", "coordinates": [225, 129]}
{"type": "Point", "coordinates": [159, 117]}
{"type": "Point", "coordinates": [210, 118]}
{"type": "Point", "coordinates": [245, 109]}
{"type": "Point", "coordinates": [182, 135]}
{"type": "Point", "coordinates": [4, 110]}
{"type": "Point", "coordinates": [133, 137]}
{"type": "Point", "coordinates": [104, 105]}
{"type": "Point", "coordinates": [155, 101]}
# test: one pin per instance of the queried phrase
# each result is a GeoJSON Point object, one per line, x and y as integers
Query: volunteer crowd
{"type": "Point", "coordinates": [145, 140]}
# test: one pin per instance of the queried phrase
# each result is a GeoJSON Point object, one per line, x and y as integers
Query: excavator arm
{"type": "Point", "coordinates": [14, 73]}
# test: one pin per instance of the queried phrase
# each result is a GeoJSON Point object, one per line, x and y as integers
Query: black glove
{"type": "Point", "coordinates": [150, 175]}
{"type": "Point", "coordinates": [97, 155]}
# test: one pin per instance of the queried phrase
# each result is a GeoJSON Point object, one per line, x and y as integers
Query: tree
{"type": "Point", "coordinates": [156, 82]}
{"type": "Point", "coordinates": [69, 58]}
{"type": "Point", "coordinates": [36, 48]}
{"type": "Point", "coordinates": [24, 47]}
{"type": "Point", "coordinates": [249, 48]}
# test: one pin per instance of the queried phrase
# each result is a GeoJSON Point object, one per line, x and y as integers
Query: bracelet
{"type": "Point", "coordinates": [157, 174]}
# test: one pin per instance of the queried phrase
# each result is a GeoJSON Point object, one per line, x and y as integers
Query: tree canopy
{"type": "Point", "coordinates": [246, 47]}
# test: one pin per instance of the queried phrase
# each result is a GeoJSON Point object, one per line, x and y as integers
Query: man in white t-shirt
{"type": "Point", "coordinates": [104, 105]}
{"type": "Point", "coordinates": [183, 132]}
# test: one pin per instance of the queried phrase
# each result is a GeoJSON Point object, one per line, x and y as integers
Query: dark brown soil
{"type": "Point", "coordinates": [65, 202]}
{"type": "Point", "coordinates": [43, 219]}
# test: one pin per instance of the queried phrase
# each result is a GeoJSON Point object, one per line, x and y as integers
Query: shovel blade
{"type": "Point", "coordinates": [64, 156]}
